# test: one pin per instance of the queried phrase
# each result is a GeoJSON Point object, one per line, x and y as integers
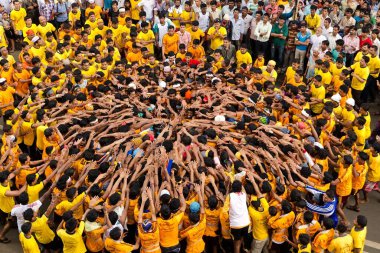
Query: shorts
{"type": "Point", "coordinates": [239, 233]}
{"type": "Point", "coordinates": [5, 216]}
{"type": "Point", "coordinates": [283, 247]}
{"type": "Point", "coordinates": [173, 249]}
{"type": "Point", "coordinates": [54, 245]}
{"type": "Point", "coordinates": [371, 186]}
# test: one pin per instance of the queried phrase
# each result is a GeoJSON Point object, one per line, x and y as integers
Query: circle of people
{"type": "Point", "coordinates": [187, 126]}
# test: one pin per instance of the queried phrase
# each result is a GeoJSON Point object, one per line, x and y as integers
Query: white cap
{"type": "Point", "coordinates": [226, 17]}
{"type": "Point", "coordinates": [214, 79]}
{"type": "Point", "coordinates": [350, 101]}
{"type": "Point", "coordinates": [3, 80]}
{"type": "Point", "coordinates": [319, 145]}
{"type": "Point", "coordinates": [163, 192]}
{"type": "Point", "coordinates": [122, 10]}
{"type": "Point", "coordinates": [35, 39]}
{"type": "Point", "coordinates": [91, 1]}
{"type": "Point", "coordinates": [336, 98]}
{"type": "Point", "coordinates": [132, 85]}
{"type": "Point", "coordinates": [162, 84]}
{"type": "Point", "coordinates": [304, 113]}
{"type": "Point", "coordinates": [220, 118]}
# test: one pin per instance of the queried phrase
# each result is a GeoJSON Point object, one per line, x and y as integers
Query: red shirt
{"type": "Point", "coordinates": [365, 41]}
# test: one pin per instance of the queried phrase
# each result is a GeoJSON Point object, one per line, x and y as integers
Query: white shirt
{"type": "Point", "coordinates": [376, 42]}
{"type": "Point", "coordinates": [332, 40]}
{"type": "Point", "coordinates": [263, 28]}
{"type": "Point", "coordinates": [316, 41]}
{"type": "Point", "coordinates": [253, 29]}
{"type": "Point", "coordinates": [18, 211]}
{"type": "Point", "coordinates": [237, 28]}
{"type": "Point", "coordinates": [247, 22]}
{"type": "Point", "coordinates": [204, 21]}
{"type": "Point", "coordinates": [238, 212]}
{"type": "Point", "coordinates": [226, 10]}
{"type": "Point", "coordinates": [327, 31]}
{"type": "Point", "coordinates": [216, 14]}
{"type": "Point", "coordinates": [148, 8]}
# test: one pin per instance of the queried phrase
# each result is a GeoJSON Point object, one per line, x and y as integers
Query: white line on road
{"type": "Point", "coordinates": [372, 244]}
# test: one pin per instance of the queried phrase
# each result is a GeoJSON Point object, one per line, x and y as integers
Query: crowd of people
{"type": "Point", "coordinates": [188, 126]}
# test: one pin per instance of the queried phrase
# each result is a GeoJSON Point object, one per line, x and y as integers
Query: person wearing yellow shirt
{"type": "Point", "coordinates": [343, 242]}
{"type": "Point", "coordinates": [44, 27]}
{"type": "Point", "coordinates": [170, 42]}
{"type": "Point", "coordinates": [359, 77]}
{"type": "Point", "coordinates": [7, 202]}
{"type": "Point", "coordinates": [280, 224]}
{"type": "Point", "coordinates": [135, 11]}
{"type": "Point", "coordinates": [3, 38]}
{"type": "Point", "coordinates": [74, 14]}
{"type": "Point", "coordinates": [97, 10]}
{"type": "Point", "coordinates": [290, 71]}
{"type": "Point", "coordinates": [100, 29]}
{"type": "Point", "coordinates": [348, 116]}
{"type": "Point", "coordinates": [313, 20]}
{"type": "Point", "coordinates": [17, 16]}
{"type": "Point", "coordinates": [303, 244]}
{"type": "Point", "coordinates": [318, 93]}
{"type": "Point", "coordinates": [196, 50]}
{"type": "Point", "coordinates": [28, 243]}
{"type": "Point", "coordinates": [71, 236]}
{"type": "Point", "coordinates": [243, 56]}
{"type": "Point", "coordinates": [6, 71]}
{"type": "Point", "coordinates": [5, 55]}
{"type": "Point", "coordinates": [148, 229]}
{"type": "Point", "coordinates": [135, 55]}
{"type": "Point", "coordinates": [258, 211]}
{"type": "Point", "coordinates": [115, 244]}
{"type": "Point", "coordinates": [326, 75]}
{"type": "Point", "coordinates": [187, 15]}
{"type": "Point", "coordinates": [38, 49]}
{"type": "Point", "coordinates": [91, 21]}
{"type": "Point", "coordinates": [216, 34]}
{"type": "Point", "coordinates": [359, 233]}
{"type": "Point", "coordinates": [6, 96]}
{"type": "Point", "coordinates": [370, 88]}
{"type": "Point", "coordinates": [373, 170]}
{"type": "Point", "coordinates": [359, 172]}
{"type": "Point", "coordinates": [195, 32]}
{"type": "Point", "coordinates": [344, 181]}
{"type": "Point", "coordinates": [29, 26]}
{"type": "Point", "coordinates": [323, 238]}
{"type": "Point", "coordinates": [146, 37]}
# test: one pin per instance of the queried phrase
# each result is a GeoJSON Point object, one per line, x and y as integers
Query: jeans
{"type": "Point", "coordinates": [300, 55]}
{"type": "Point", "coordinates": [370, 90]}
{"type": "Point", "coordinates": [261, 47]}
{"type": "Point", "coordinates": [259, 246]}
{"type": "Point", "coordinates": [356, 96]}
{"type": "Point", "coordinates": [280, 53]}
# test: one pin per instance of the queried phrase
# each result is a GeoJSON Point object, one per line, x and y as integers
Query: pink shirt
{"type": "Point", "coordinates": [350, 42]}
{"type": "Point", "coordinates": [184, 38]}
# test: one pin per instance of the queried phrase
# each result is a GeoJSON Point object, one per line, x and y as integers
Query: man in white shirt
{"type": "Point", "coordinates": [237, 29]}
{"type": "Point", "coordinates": [203, 18]}
{"type": "Point", "coordinates": [247, 23]}
{"type": "Point", "coordinates": [148, 8]}
{"type": "Point", "coordinates": [375, 40]}
{"type": "Point", "coordinates": [252, 28]}
{"type": "Point", "coordinates": [262, 32]}
{"type": "Point", "coordinates": [327, 28]}
{"type": "Point", "coordinates": [228, 9]}
{"type": "Point", "coordinates": [19, 209]}
{"type": "Point", "coordinates": [316, 39]}
{"type": "Point", "coordinates": [214, 11]}
{"type": "Point", "coordinates": [332, 38]}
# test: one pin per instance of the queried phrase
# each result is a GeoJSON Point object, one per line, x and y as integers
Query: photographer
{"type": "Point", "coordinates": [60, 13]}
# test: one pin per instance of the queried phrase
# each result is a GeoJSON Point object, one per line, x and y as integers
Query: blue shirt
{"type": "Point", "coordinates": [302, 38]}
{"type": "Point", "coordinates": [61, 8]}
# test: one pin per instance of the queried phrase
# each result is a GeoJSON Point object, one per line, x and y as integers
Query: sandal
{"type": "Point", "coordinates": [353, 208]}
{"type": "Point", "coordinates": [5, 240]}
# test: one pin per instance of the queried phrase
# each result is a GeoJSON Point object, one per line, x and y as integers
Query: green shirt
{"type": "Point", "coordinates": [283, 30]}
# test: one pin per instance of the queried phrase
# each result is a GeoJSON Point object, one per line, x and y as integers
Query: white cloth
{"type": "Point", "coordinates": [18, 211]}
{"type": "Point", "coordinates": [332, 40]}
{"type": "Point", "coordinates": [316, 41]}
{"type": "Point", "coordinates": [237, 28]}
{"type": "Point", "coordinates": [327, 31]}
{"type": "Point", "coordinates": [263, 28]}
{"type": "Point", "coordinates": [247, 22]}
{"type": "Point", "coordinates": [238, 212]}
{"type": "Point", "coordinates": [204, 21]}
{"type": "Point", "coordinates": [148, 8]}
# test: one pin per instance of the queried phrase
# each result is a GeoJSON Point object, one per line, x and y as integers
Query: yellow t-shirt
{"type": "Point", "coordinates": [194, 234]}
{"type": "Point", "coordinates": [187, 16]}
{"type": "Point", "coordinates": [169, 230]}
{"type": "Point", "coordinates": [43, 30]}
{"type": "Point", "coordinates": [198, 34]}
{"type": "Point", "coordinates": [243, 58]}
{"type": "Point", "coordinates": [373, 64]}
{"type": "Point", "coordinates": [74, 16]}
{"type": "Point", "coordinates": [73, 243]}
{"type": "Point", "coordinates": [212, 220]}
{"type": "Point", "coordinates": [343, 244]}
{"type": "Point", "coordinates": [146, 37]}
{"type": "Point", "coordinates": [362, 73]}
{"type": "Point", "coordinates": [359, 238]}
{"type": "Point", "coordinates": [42, 231]}
{"type": "Point", "coordinates": [170, 43]}
{"type": "Point", "coordinates": [97, 10]}
{"type": "Point", "coordinates": [373, 167]}
{"type": "Point", "coordinates": [344, 187]}
{"type": "Point", "coordinates": [34, 191]}
{"type": "Point", "coordinates": [219, 34]}
{"type": "Point", "coordinates": [33, 27]}
{"type": "Point", "coordinates": [29, 245]}
{"type": "Point", "coordinates": [117, 246]}
{"type": "Point", "coordinates": [318, 93]}
{"type": "Point", "coordinates": [306, 249]}
{"type": "Point", "coordinates": [260, 220]}
{"type": "Point", "coordinates": [322, 240]}
{"type": "Point", "coordinates": [150, 242]}
{"type": "Point", "coordinates": [313, 22]}
{"type": "Point", "coordinates": [135, 10]}
{"type": "Point", "coordinates": [18, 18]}
{"type": "Point", "coordinates": [326, 78]}
{"type": "Point", "coordinates": [6, 203]}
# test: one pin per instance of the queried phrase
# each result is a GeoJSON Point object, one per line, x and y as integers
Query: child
{"type": "Point", "coordinates": [28, 243]}
{"type": "Point", "coordinates": [303, 245]}
{"type": "Point", "coordinates": [359, 233]}
{"type": "Point", "coordinates": [373, 170]}
{"type": "Point", "coordinates": [259, 62]}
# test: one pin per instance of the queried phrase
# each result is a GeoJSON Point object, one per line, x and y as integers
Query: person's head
{"type": "Point", "coordinates": [360, 221]}
{"type": "Point", "coordinates": [71, 225]}
{"type": "Point", "coordinates": [304, 240]}
{"type": "Point", "coordinates": [236, 186]}
{"type": "Point", "coordinates": [116, 234]}
{"type": "Point", "coordinates": [26, 228]}
{"type": "Point", "coordinates": [364, 61]}
{"type": "Point", "coordinates": [342, 228]}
